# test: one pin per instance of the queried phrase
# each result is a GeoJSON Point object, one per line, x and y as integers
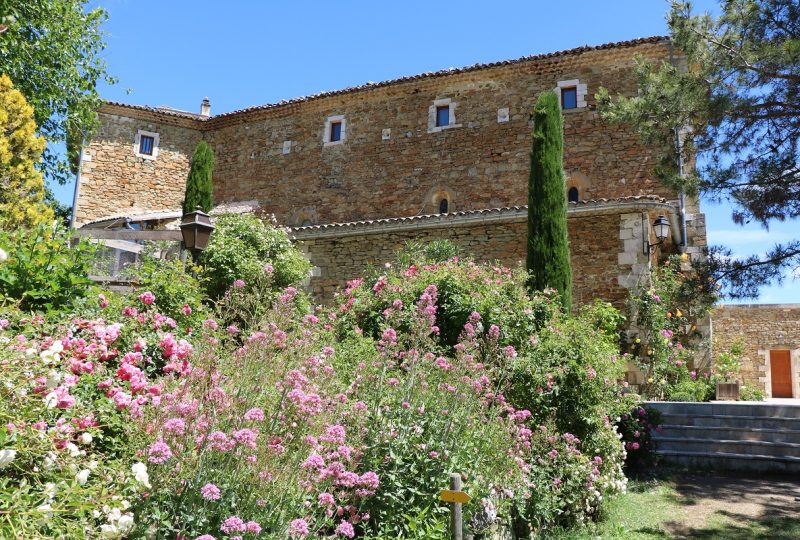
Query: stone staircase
{"type": "Point", "coordinates": [730, 436]}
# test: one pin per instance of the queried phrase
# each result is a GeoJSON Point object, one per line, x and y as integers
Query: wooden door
{"type": "Point", "coordinates": [781, 370]}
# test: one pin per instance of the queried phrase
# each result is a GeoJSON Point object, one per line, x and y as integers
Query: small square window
{"type": "Point", "coordinates": [443, 116]}
{"type": "Point", "coordinates": [146, 144]}
{"type": "Point", "coordinates": [336, 131]}
{"type": "Point", "coordinates": [569, 98]}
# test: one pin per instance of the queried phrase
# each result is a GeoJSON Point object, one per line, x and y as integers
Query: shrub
{"type": "Point", "coordinates": [422, 253]}
{"type": "Point", "coordinates": [42, 271]}
{"type": "Point", "coordinates": [243, 247]}
{"type": "Point", "coordinates": [636, 429]}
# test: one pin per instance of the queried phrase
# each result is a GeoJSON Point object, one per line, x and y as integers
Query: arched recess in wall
{"type": "Point", "coordinates": [578, 187]}
{"type": "Point", "coordinates": [440, 199]}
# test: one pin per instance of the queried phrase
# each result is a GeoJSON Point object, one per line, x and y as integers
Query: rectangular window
{"type": "Point", "coordinates": [336, 131]}
{"type": "Point", "coordinates": [569, 98]}
{"type": "Point", "coordinates": [443, 115]}
{"type": "Point", "coordinates": [146, 145]}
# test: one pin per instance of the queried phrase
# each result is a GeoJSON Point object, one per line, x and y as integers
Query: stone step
{"type": "Point", "coordinates": [722, 461]}
{"type": "Point", "coordinates": [732, 408]}
{"type": "Point", "coordinates": [733, 421]}
{"type": "Point", "coordinates": [729, 433]}
{"type": "Point", "coordinates": [724, 446]}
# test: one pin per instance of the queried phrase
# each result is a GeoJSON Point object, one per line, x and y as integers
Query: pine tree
{"type": "Point", "coordinates": [548, 260]}
{"type": "Point", "coordinates": [199, 190]}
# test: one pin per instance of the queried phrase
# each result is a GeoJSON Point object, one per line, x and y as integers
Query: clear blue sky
{"type": "Point", "coordinates": [241, 53]}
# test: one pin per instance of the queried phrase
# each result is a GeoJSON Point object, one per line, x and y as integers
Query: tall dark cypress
{"type": "Point", "coordinates": [199, 189]}
{"type": "Point", "coordinates": [548, 260]}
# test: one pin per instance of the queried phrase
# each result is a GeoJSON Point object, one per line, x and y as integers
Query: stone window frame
{"type": "Point", "coordinates": [326, 136]}
{"type": "Point", "coordinates": [581, 91]}
{"type": "Point", "coordinates": [766, 369]}
{"type": "Point", "coordinates": [138, 139]}
{"type": "Point", "coordinates": [432, 127]}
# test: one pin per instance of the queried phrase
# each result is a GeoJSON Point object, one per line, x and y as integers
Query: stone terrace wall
{"type": "Point", "coordinates": [115, 182]}
{"type": "Point", "coordinates": [480, 162]}
{"type": "Point", "coordinates": [605, 245]}
{"type": "Point", "coordinates": [762, 327]}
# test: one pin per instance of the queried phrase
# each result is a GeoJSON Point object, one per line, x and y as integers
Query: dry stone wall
{"type": "Point", "coordinates": [762, 328]}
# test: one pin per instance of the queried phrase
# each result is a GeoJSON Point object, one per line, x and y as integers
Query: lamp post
{"type": "Point", "coordinates": [660, 227]}
{"type": "Point", "coordinates": [196, 229]}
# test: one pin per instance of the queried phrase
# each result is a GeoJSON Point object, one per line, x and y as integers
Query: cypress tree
{"type": "Point", "coordinates": [548, 259]}
{"type": "Point", "coordinates": [199, 190]}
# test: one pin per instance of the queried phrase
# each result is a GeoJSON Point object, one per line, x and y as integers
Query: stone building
{"type": "Point", "coordinates": [357, 172]}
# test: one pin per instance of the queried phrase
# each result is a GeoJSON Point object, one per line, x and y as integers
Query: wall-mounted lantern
{"type": "Point", "coordinates": [196, 229]}
{"type": "Point", "coordinates": [660, 227]}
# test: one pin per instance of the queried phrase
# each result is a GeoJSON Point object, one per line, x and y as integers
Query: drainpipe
{"type": "Point", "coordinates": [77, 186]}
{"type": "Point", "coordinates": [682, 195]}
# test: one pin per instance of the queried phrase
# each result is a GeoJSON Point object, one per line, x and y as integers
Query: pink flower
{"type": "Point", "coordinates": [345, 529]}
{"type": "Point", "coordinates": [147, 298]}
{"type": "Point", "coordinates": [298, 527]}
{"type": "Point", "coordinates": [210, 492]}
{"type": "Point", "coordinates": [693, 375]}
{"type": "Point", "coordinates": [239, 284]}
{"type": "Point", "coordinates": [433, 454]}
{"type": "Point", "coordinates": [325, 499]}
{"type": "Point", "coordinates": [205, 537]}
{"type": "Point", "coordinates": [102, 301]}
{"type": "Point", "coordinates": [159, 452]}
{"type": "Point", "coordinates": [253, 527]}
{"type": "Point", "coordinates": [233, 524]}
{"type": "Point", "coordinates": [268, 268]}
{"type": "Point", "coordinates": [175, 425]}
{"type": "Point", "coordinates": [187, 309]}
{"type": "Point", "coordinates": [246, 437]}
{"type": "Point", "coordinates": [254, 414]}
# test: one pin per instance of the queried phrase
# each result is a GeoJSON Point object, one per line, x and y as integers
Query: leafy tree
{"type": "Point", "coordinates": [51, 50]}
{"type": "Point", "coordinates": [21, 184]}
{"type": "Point", "coordinates": [548, 246]}
{"type": "Point", "coordinates": [198, 185]}
{"type": "Point", "coordinates": [740, 100]}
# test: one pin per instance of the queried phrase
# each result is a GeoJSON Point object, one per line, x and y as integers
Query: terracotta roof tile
{"type": "Point", "coordinates": [370, 85]}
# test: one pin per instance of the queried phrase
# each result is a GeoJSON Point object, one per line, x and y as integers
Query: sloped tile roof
{"type": "Point", "coordinates": [370, 85]}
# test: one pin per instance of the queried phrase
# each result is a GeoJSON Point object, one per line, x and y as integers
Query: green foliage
{"type": "Point", "coordinates": [636, 427]}
{"type": "Point", "coordinates": [52, 52]}
{"type": "Point", "coordinates": [739, 99]}
{"type": "Point", "coordinates": [243, 247]}
{"type": "Point", "coordinates": [668, 348]}
{"type": "Point", "coordinates": [422, 253]}
{"type": "Point", "coordinates": [728, 364]}
{"type": "Point", "coordinates": [548, 245]}
{"type": "Point", "coordinates": [174, 288]}
{"type": "Point", "coordinates": [199, 188]}
{"type": "Point", "coordinates": [43, 272]}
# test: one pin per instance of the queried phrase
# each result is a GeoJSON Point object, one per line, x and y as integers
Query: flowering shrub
{"type": "Point", "coordinates": [68, 394]}
{"type": "Point", "coordinates": [243, 248]}
{"type": "Point", "coordinates": [336, 423]}
{"type": "Point", "coordinates": [668, 348]}
{"type": "Point", "coordinates": [636, 428]}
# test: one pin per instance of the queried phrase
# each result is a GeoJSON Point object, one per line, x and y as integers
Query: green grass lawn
{"type": "Point", "coordinates": [655, 510]}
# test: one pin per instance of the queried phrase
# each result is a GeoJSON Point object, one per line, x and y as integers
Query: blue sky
{"type": "Point", "coordinates": [241, 53]}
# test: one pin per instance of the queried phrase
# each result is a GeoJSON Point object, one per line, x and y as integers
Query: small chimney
{"type": "Point", "coordinates": [205, 107]}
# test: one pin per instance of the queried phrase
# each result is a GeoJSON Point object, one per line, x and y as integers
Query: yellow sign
{"type": "Point", "coordinates": [454, 496]}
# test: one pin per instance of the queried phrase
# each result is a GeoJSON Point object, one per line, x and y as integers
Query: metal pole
{"type": "Point", "coordinates": [455, 511]}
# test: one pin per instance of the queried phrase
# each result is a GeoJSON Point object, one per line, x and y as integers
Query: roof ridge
{"type": "Point", "coordinates": [388, 82]}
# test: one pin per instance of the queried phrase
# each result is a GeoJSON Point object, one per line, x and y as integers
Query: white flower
{"type": "Point", "coordinates": [51, 400]}
{"type": "Point", "coordinates": [53, 379]}
{"type": "Point", "coordinates": [49, 357]}
{"type": "Point", "coordinates": [49, 460]}
{"type": "Point", "coordinates": [109, 530]}
{"type": "Point", "coordinates": [125, 523]}
{"type": "Point", "coordinates": [30, 351]}
{"type": "Point", "coordinates": [56, 347]}
{"type": "Point", "coordinates": [85, 438]}
{"type": "Point", "coordinates": [50, 490]}
{"type": "Point", "coordinates": [140, 474]}
{"type": "Point", "coordinates": [83, 476]}
{"type": "Point", "coordinates": [74, 451]}
{"type": "Point", "coordinates": [3, 256]}
{"type": "Point", "coordinates": [113, 515]}
{"type": "Point", "coordinates": [6, 457]}
{"type": "Point", "coordinates": [92, 465]}
{"type": "Point", "coordinates": [47, 510]}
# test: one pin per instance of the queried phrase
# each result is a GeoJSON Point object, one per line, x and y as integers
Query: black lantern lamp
{"type": "Point", "coordinates": [661, 228]}
{"type": "Point", "coordinates": [196, 229]}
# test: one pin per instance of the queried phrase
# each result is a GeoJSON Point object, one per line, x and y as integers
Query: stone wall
{"type": "Point", "coordinates": [391, 163]}
{"type": "Point", "coordinates": [761, 327]}
{"type": "Point", "coordinates": [605, 245]}
{"type": "Point", "coordinates": [115, 182]}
